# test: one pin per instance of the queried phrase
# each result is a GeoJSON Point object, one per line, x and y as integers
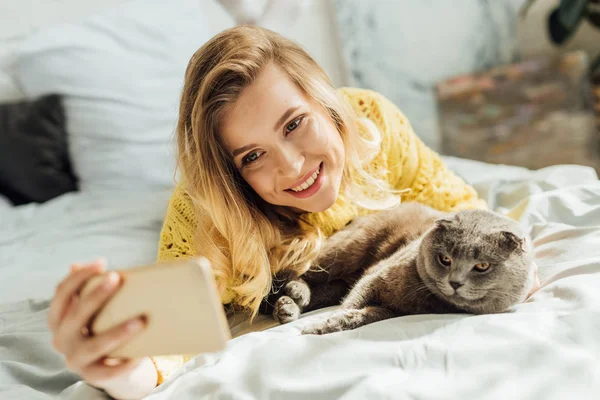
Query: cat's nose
{"type": "Point", "coordinates": [455, 285]}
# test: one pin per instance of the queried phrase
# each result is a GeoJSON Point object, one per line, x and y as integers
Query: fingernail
{"type": "Point", "coordinates": [135, 325]}
{"type": "Point", "coordinates": [111, 280]}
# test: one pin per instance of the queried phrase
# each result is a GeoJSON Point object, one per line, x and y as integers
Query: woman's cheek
{"type": "Point", "coordinates": [318, 135]}
{"type": "Point", "coordinates": [259, 180]}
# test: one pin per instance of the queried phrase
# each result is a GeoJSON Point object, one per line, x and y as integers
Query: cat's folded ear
{"type": "Point", "coordinates": [444, 222]}
{"type": "Point", "coordinates": [511, 242]}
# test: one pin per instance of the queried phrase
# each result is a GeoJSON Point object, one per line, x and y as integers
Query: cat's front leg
{"type": "Point", "coordinates": [300, 298]}
{"type": "Point", "coordinates": [348, 319]}
{"type": "Point", "coordinates": [298, 291]}
{"type": "Point", "coordinates": [286, 310]}
{"type": "Point", "coordinates": [364, 293]}
{"type": "Point", "coordinates": [296, 296]}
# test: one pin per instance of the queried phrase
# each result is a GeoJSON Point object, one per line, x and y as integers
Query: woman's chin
{"type": "Point", "coordinates": [314, 204]}
{"type": "Point", "coordinates": [324, 202]}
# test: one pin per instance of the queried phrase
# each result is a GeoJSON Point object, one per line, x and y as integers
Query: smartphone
{"type": "Point", "coordinates": [181, 305]}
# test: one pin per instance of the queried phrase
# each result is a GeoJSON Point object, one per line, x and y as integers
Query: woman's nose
{"type": "Point", "coordinates": [290, 161]}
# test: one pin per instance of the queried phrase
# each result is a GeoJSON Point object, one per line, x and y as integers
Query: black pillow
{"type": "Point", "coordinates": [34, 158]}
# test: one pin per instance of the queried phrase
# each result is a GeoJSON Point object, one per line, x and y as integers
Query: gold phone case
{"type": "Point", "coordinates": [180, 302]}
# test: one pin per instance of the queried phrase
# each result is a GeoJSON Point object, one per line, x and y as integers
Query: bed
{"type": "Point", "coordinates": [120, 132]}
{"type": "Point", "coordinates": [546, 348]}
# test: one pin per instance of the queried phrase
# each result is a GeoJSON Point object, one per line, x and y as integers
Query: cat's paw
{"type": "Point", "coordinates": [286, 310]}
{"type": "Point", "coordinates": [340, 321]}
{"type": "Point", "coordinates": [298, 291]}
{"type": "Point", "coordinates": [321, 328]}
{"type": "Point", "coordinates": [334, 323]}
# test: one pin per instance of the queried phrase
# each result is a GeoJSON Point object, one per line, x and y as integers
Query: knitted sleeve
{"type": "Point", "coordinates": [421, 169]}
{"type": "Point", "coordinates": [411, 164]}
{"type": "Point", "coordinates": [177, 234]}
{"type": "Point", "coordinates": [176, 241]}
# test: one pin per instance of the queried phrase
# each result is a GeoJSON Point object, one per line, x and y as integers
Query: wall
{"type": "Point", "coordinates": [316, 30]}
{"type": "Point", "coordinates": [403, 48]}
{"type": "Point", "coordinates": [534, 39]}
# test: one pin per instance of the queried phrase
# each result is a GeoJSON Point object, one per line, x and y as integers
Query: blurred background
{"type": "Point", "coordinates": [89, 95]}
{"type": "Point", "coordinates": [500, 81]}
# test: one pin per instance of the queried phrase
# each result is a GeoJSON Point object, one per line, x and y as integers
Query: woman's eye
{"type": "Point", "coordinates": [445, 260]}
{"type": "Point", "coordinates": [250, 158]}
{"type": "Point", "coordinates": [292, 125]}
{"type": "Point", "coordinates": [481, 267]}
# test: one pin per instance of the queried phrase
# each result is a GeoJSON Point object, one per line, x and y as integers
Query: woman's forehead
{"type": "Point", "coordinates": [260, 106]}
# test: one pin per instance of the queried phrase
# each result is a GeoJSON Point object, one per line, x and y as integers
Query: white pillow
{"type": "Point", "coordinates": [9, 89]}
{"type": "Point", "coordinates": [121, 72]}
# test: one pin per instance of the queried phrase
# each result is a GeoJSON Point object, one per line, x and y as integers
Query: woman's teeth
{"type": "Point", "coordinates": [308, 183]}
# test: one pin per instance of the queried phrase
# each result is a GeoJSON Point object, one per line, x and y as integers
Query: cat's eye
{"type": "Point", "coordinates": [445, 260]}
{"type": "Point", "coordinates": [481, 267]}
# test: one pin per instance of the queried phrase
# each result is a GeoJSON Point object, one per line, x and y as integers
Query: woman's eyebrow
{"type": "Point", "coordinates": [242, 149]}
{"type": "Point", "coordinates": [278, 124]}
{"type": "Point", "coordinates": [285, 116]}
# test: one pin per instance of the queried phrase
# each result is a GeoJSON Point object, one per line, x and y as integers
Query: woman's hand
{"type": "Point", "coordinates": [87, 356]}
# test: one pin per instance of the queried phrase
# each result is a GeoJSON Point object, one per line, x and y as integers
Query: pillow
{"type": "Point", "coordinates": [34, 160]}
{"type": "Point", "coordinates": [121, 73]}
{"type": "Point", "coordinates": [9, 89]}
{"type": "Point", "coordinates": [5, 204]}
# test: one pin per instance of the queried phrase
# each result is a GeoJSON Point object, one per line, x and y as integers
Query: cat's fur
{"type": "Point", "coordinates": [391, 259]}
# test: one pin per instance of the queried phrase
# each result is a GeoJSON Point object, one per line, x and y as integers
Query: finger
{"type": "Point", "coordinates": [64, 339]}
{"type": "Point", "coordinates": [94, 301]}
{"type": "Point", "coordinates": [92, 349]}
{"type": "Point", "coordinates": [99, 372]}
{"type": "Point", "coordinates": [65, 290]}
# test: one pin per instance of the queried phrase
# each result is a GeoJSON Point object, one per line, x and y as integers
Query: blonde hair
{"type": "Point", "coordinates": [246, 239]}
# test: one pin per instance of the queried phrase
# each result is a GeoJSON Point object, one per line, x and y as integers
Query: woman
{"type": "Point", "coordinates": [273, 160]}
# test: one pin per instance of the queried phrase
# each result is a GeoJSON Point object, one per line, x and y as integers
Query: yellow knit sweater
{"type": "Point", "coordinates": [404, 160]}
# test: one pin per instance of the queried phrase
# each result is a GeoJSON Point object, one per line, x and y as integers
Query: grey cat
{"type": "Point", "coordinates": [413, 260]}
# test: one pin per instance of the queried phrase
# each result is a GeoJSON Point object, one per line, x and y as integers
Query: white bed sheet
{"type": "Point", "coordinates": [547, 348]}
{"type": "Point", "coordinates": [38, 243]}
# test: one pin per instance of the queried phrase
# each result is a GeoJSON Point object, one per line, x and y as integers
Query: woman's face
{"type": "Point", "coordinates": [284, 144]}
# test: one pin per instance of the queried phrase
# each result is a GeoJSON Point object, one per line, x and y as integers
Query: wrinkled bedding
{"type": "Point", "coordinates": [547, 348]}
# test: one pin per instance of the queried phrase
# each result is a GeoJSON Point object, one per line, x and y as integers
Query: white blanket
{"type": "Point", "coordinates": [547, 348]}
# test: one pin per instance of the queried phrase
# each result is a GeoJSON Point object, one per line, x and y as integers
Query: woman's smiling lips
{"type": "Point", "coordinates": [308, 185]}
